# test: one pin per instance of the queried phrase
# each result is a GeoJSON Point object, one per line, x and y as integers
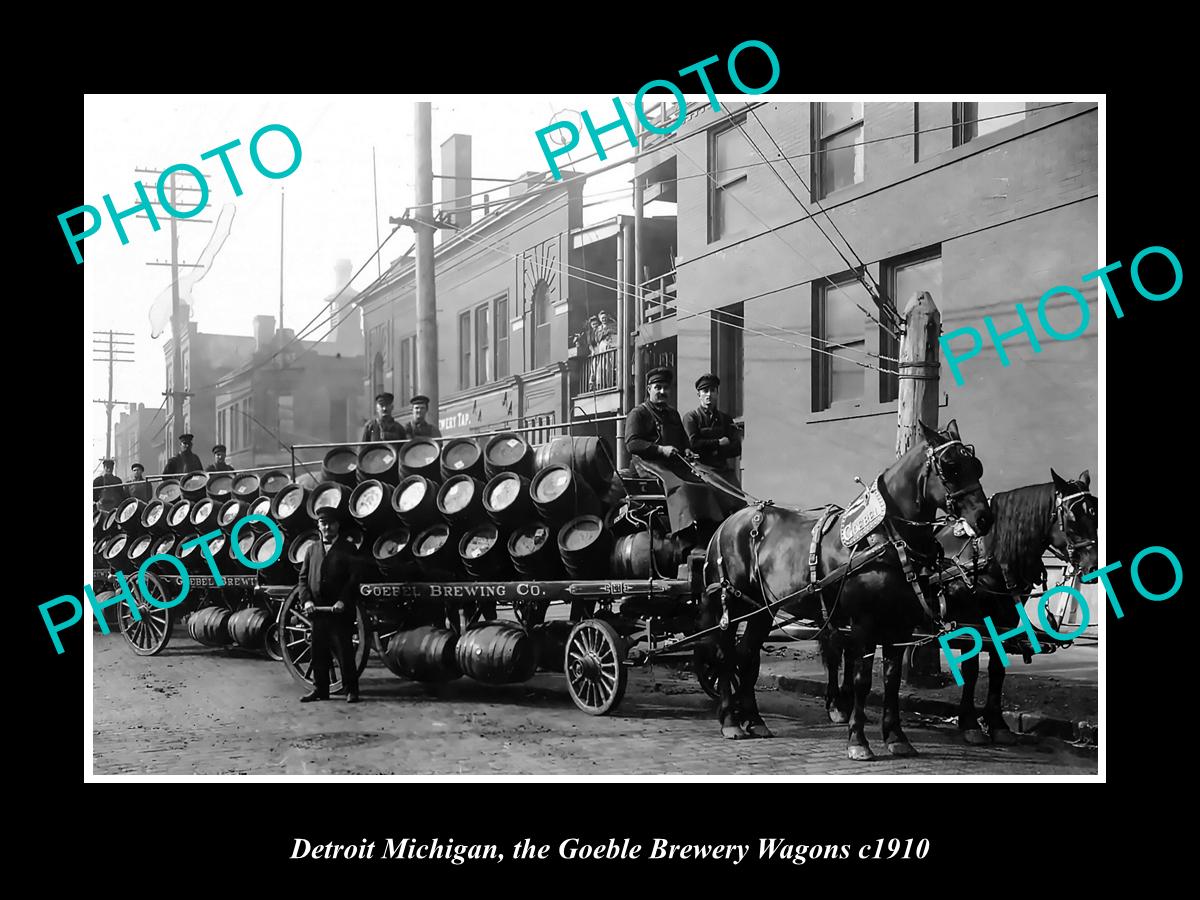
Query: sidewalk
{"type": "Point", "coordinates": [1055, 695]}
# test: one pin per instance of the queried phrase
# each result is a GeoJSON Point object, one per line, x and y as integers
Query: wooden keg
{"type": "Point", "coordinates": [154, 517]}
{"type": "Point", "coordinates": [168, 492]}
{"type": "Point", "coordinates": [245, 487]}
{"type": "Point", "coordinates": [631, 556]}
{"type": "Point", "coordinates": [380, 463]}
{"type": "Point", "coordinates": [585, 546]}
{"type": "Point", "coordinates": [137, 550]}
{"type": "Point", "coordinates": [415, 501]}
{"type": "Point", "coordinates": [484, 553]}
{"type": "Point", "coordinates": [436, 551]}
{"type": "Point", "coordinates": [460, 500]}
{"type": "Point", "coordinates": [534, 551]}
{"type": "Point", "coordinates": [231, 513]}
{"type": "Point", "coordinates": [462, 456]}
{"type": "Point", "coordinates": [340, 465]}
{"type": "Point", "coordinates": [560, 494]}
{"type": "Point", "coordinates": [289, 509]}
{"type": "Point", "coordinates": [590, 457]}
{"type": "Point", "coordinates": [496, 653]}
{"type": "Point", "coordinates": [271, 483]}
{"type": "Point", "coordinates": [280, 571]}
{"type": "Point", "coordinates": [247, 626]}
{"type": "Point", "coordinates": [370, 506]}
{"type": "Point", "coordinates": [259, 506]}
{"type": "Point", "coordinates": [297, 548]}
{"type": "Point", "coordinates": [424, 654]}
{"type": "Point", "coordinates": [507, 452]}
{"type": "Point", "coordinates": [506, 500]}
{"type": "Point", "coordinates": [204, 515]}
{"type": "Point", "coordinates": [194, 485]}
{"type": "Point", "coordinates": [220, 487]}
{"type": "Point", "coordinates": [329, 495]}
{"type": "Point", "coordinates": [421, 456]}
{"type": "Point", "coordinates": [179, 517]}
{"type": "Point", "coordinates": [129, 515]}
{"type": "Point", "coordinates": [393, 555]}
{"type": "Point", "coordinates": [114, 553]}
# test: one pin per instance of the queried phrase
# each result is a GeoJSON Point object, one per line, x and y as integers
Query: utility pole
{"type": "Point", "coordinates": [427, 342]}
{"type": "Point", "coordinates": [281, 198]}
{"type": "Point", "coordinates": [114, 350]}
{"type": "Point", "coordinates": [918, 402]}
{"type": "Point", "coordinates": [177, 394]}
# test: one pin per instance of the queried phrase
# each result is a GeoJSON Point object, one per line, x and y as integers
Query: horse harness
{"type": "Point", "coordinates": [1064, 506]}
{"type": "Point", "coordinates": [872, 529]}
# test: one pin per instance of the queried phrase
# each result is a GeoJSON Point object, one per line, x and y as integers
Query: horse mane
{"type": "Point", "coordinates": [1021, 531]}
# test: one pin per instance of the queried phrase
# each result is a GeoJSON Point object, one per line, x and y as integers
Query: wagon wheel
{"type": "Point", "coordinates": [594, 666]}
{"type": "Point", "coordinates": [150, 635]}
{"type": "Point", "coordinates": [271, 642]}
{"type": "Point", "coordinates": [295, 633]}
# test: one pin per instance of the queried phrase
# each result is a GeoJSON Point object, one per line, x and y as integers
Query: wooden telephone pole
{"type": "Point", "coordinates": [918, 402]}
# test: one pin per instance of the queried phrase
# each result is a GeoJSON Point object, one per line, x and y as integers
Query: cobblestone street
{"type": "Point", "coordinates": [196, 710]}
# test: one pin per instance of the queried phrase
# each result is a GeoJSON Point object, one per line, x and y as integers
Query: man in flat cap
{"type": "Point", "coordinates": [106, 488]}
{"type": "Point", "coordinates": [653, 429]}
{"type": "Point", "coordinates": [329, 579]}
{"type": "Point", "coordinates": [383, 427]}
{"type": "Point", "coordinates": [219, 465]}
{"type": "Point", "coordinates": [712, 433]}
{"type": "Point", "coordinates": [185, 461]}
{"type": "Point", "coordinates": [418, 427]}
{"type": "Point", "coordinates": [138, 485]}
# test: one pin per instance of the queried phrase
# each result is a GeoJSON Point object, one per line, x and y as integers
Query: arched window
{"type": "Point", "coordinates": [376, 376]}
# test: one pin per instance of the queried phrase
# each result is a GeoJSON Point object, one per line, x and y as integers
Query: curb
{"type": "Point", "coordinates": [1031, 723]}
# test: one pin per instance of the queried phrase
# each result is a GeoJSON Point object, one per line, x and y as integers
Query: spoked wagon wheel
{"type": "Point", "coordinates": [271, 642]}
{"type": "Point", "coordinates": [295, 635]}
{"type": "Point", "coordinates": [594, 666]}
{"type": "Point", "coordinates": [707, 674]}
{"type": "Point", "coordinates": [149, 635]}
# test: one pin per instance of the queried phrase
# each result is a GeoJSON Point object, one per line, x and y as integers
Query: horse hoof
{"type": "Point", "coordinates": [860, 753]}
{"type": "Point", "coordinates": [1003, 736]}
{"type": "Point", "coordinates": [975, 737]}
{"type": "Point", "coordinates": [733, 733]}
{"type": "Point", "coordinates": [901, 748]}
{"type": "Point", "coordinates": [758, 730]}
{"type": "Point", "coordinates": [836, 716]}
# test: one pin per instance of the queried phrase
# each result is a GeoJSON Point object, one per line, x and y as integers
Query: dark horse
{"type": "Point", "coordinates": [761, 555]}
{"type": "Point", "coordinates": [987, 576]}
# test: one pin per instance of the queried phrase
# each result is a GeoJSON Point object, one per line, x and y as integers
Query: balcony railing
{"type": "Point", "coordinates": [658, 297]}
{"type": "Point", "coordinates": [598, 372]}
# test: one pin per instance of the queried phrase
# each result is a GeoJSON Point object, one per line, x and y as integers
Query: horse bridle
{"type": "Point", "coordinates": [1064, 506]}
{"type": "Point", "coordinates": [933, 463]}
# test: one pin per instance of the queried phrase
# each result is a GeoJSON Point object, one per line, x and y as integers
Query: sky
{"type": "Point", "coordinates": [329, 206]}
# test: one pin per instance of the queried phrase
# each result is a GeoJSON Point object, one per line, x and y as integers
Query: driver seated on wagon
{"type": "Point", "coordinates": [655, 437]}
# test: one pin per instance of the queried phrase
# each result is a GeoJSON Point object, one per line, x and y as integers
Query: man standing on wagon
{"type": "Point", "coordinates": [329, 579]}
{"type": "Point", "coordinates": [418, 427]}
{"type": "Point", "coordinates": [383, 427]}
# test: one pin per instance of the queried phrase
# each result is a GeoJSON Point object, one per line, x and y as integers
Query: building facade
{"type": "Point", "coordinates": [985, 206]}
{"type": "Point", "coordinates": [137, 437]}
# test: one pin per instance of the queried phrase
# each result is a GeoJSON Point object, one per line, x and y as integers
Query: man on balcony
{"type": "Point", "coordinates": [711, 433]}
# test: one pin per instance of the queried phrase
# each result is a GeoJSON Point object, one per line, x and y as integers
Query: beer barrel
{"type": "Point", "coordinates": [393, 554]}
{"type": "Point", "coordinates": [415, 501]}
{"type": "Point", "coordinates": [191, 557]}
{"type": "Point", "coordinates": [460, 500]}
{"type": "Point", "coordinates": [129, 515]}
{"type": "Point", "coordinates": [462, 456]}
{"type": "Point", "coordinates": [297, 548]}
{"type": "Point", "coordinates": [484, 554]}
{"type": "Point", "coordinates": [424, 654]}
{"type": "Point", "coordinates": [110, 521]}
{"type": "Point", "coordinates": [588, 456]}
{"type": "Point", "coordinates": [260, 506]}
{"type": "Point", "coordinates": [332, 495]}
{"type": "Point", "coordinates": [631, 556]}
{"type": "Point", "coordinates": [506, 500]}
{"type": "Point", "coordinates": [421, 456]}
{"type": "Point", "coordinates": [220, 486]}
{"type": "Point", "coordinates": [245, 487]}
{"type": "Point", "coordinates": [496, 653]}
{"type": "Point", "coordinates": [436, 551]}
{"type": "Point", "coordinates": [288, 509]}
{"type": "Point", "coordinates": [271, 483]}
{"type": "Point", "coordinates": [534, 552]}
{"type": "Point", "coordinates": [560, 494]}
{"type": "Point", "coordinates": [245, 545]}
{"type": "Point", "coordinates": [98, 516]}
{"type": "Point", "coordinates": [508, 452]}
{"type": "Point", "coordinates": [154, 517]}
{"type": "Point", "coordinates": [340, 465]}
{"type": "Point", "coordinates": [279, 572]}
{"type": "Point", "coordinates": [230, 512]}
{"type": "Point", "coordinates": [371, 507]}
{"type": "Point", "coordinates": [210, 626]}
{"type": "Point", "coordinates": [98, 560]}
{"type": "Point", "coordinates": [204, 515]}
{"type": "Point", "coordinates": [138, 549]}
{"type": "Point", "coordinates": [247, 626]}
{"type": "Point", "coordinates": [585, 547]}
{"type": "Point", "coordinates": [179, 517]}
{"type": "Point", "coordinates": [378, 464]}
{"type": "Point", "coordinates": [194, 485]}
{"type": "Point", "coordinates": [168, 492]}
{"type": "Point", "coordinates": [165, 545]}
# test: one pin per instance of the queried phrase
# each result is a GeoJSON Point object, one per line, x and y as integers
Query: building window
{"type": "Point", "coordinates": [483, 358]}
{"type": "Point", "coordinates": [729, 153]}
{"type": "Point", "coordinates": [408, 368]}
{"type": "Point", "coordinates": [541, 325]}
{"type": "Point", "coordinates": [838, 148]}
{"type": "Point", "coordinates": [464, 351]}
{"type": "Point", "coordinates": [904, 277]}
{"type": "Point", "coordinates": [972, 120]}
{"type": "Point", "coordinates": [501, 320]}
{"type": "Point", "coordinates": [727, 359]}
{"type": "Point", "coordinates": [838, 341]}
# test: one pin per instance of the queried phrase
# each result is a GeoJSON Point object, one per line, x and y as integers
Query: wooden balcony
{"type": "Point", "coordinates": [658, 297]}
